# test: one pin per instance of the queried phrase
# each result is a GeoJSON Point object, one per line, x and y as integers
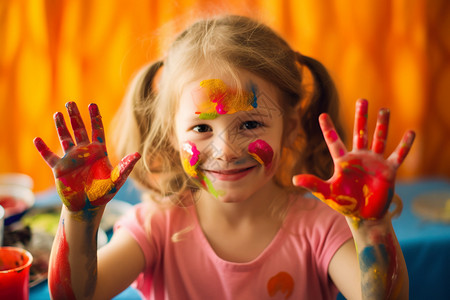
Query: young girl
{"type": "Point", "coordinates": [223, 123]}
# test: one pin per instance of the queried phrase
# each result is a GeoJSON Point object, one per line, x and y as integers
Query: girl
{"type": "Point", "coordinates": [223, 123]}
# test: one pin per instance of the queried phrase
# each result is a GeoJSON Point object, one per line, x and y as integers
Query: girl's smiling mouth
{"type": "Point", "coordinates": [231, 174]}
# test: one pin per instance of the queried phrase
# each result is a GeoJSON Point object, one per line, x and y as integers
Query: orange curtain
{"type": "Point", "coordinates": [394, 53]}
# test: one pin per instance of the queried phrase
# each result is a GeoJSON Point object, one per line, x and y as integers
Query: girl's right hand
{"type": "Point", "coordinates": [84, 176]}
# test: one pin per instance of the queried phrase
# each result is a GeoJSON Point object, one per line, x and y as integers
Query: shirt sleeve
{"type": "Point", "coordinates": [331, 232]}
{"type": "Point", "coordinates": [136, 222]}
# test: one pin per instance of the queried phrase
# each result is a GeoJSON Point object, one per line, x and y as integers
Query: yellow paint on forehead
{"type": "Point", "coordinates": [220, 99]}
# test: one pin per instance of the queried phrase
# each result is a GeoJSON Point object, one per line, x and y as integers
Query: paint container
{"type": "Point", "coordinates": [14, 273]}
{"type": "Point", "coordinates": [2, 224]}
{"type": "Point", "coordinates": [19, 179]}
{"type": "Point", "coordinates": [16, 201]}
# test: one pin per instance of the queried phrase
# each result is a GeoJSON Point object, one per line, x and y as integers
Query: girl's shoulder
{"type": "Point", "coordinates": [306, 211]}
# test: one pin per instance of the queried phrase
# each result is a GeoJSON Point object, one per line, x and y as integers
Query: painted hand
{"type": "Point", "coordinates": [363, 182]}
{"type": "Point", "coordinates": [84, 176]}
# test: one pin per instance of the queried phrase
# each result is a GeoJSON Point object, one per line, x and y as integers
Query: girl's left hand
{"type": "Point", "coordinates": [363, 182]}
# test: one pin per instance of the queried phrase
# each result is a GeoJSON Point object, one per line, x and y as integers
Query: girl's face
{"type": "Point", "coordinates": [230, 142]}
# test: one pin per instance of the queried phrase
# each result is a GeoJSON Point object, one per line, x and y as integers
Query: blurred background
{"type": "Point", "coordinates": [394, 53]}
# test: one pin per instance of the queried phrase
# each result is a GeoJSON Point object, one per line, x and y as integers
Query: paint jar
{"type": "Point", "coordinates": [2, 223]}
{"type": "Point", "coordinates": [14, 273]}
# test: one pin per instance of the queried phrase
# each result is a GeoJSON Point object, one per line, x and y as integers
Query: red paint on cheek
{"type": "Point", "coordinates": [60, 279]}
{"type": "Point", "coordinates": [261, 151]}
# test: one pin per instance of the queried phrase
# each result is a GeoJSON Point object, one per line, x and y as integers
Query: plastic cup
{"type": "Point", "coordinates": [2, 222]}
{"type": "Point", "coordinates": [14, 273]}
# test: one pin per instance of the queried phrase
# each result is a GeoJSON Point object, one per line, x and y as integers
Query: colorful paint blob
{"type": "Point", "coordinates": [190, 158]}
{"type": "Point", "coordinates": [261, 152]}
{"type": "Point", "coordinates": [221, 100]}
{"type": "Point", "coordinates": [281, 283]}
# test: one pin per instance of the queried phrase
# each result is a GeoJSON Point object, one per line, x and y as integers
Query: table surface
{"type": "Point", "coordinates": [425, 244]}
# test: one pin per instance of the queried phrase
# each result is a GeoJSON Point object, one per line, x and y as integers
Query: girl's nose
{"type": "Point", "coordinates": [226, 148]}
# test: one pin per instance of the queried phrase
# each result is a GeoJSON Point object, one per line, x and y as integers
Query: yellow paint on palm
{"type": "Point", "coordinates": [99, 188]}
{"type": "Point", "coordinates": [115, 174]}
{"type": "Point", "coordinates": [344, 204]}
{"type": "Point", "coordinates": [64, 192]}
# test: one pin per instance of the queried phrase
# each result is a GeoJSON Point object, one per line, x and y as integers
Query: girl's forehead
{"type": "Point", "coordinates": [211, 96]}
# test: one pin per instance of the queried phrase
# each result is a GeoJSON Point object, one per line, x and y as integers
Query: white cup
{"type": "Point", "coordinates": [2, 221]}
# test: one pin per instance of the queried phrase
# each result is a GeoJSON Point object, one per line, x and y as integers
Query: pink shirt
{"type": "Point", "coordinates": [293, 266]}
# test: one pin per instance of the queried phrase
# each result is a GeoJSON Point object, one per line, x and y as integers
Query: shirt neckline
{"type": "Point", "coordinates": [244, 266]}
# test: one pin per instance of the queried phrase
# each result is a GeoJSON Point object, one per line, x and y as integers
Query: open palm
{"type": "Point", "coordinates": [362, 185]}
{"type": "Point", "coordinates": [84, 175]}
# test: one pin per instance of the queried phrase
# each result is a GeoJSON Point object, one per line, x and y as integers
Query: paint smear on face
{"type": "Point", "coordinates": [190, 157]}
{"type": "Point", "coordinates": [216, 98]}
{"type": "Point", "coordinates": [262, 152]}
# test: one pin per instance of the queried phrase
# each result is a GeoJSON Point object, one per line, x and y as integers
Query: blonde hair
{"type": "Point", "coordinates": [222, 45]}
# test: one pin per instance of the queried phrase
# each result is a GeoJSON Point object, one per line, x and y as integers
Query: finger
{"type": "Point", "coordinates": [360, 126]}
{"type": "Point", "coordinates": [98, 133]}
{"type": "Point", "coordinates": [50, 158]}
{"type": "Point", "coordinates": [120, 173]}
{"type": "Point", "coordinates": [312, 183]}
{"type": "Point", "coordinates": [79, 130]}
{"type": "Point", "coordinates": [332, 139]}
{"type": "Point", "coordinates": [380, 134]}
{"type": "Point", "coordinates": [63, 133]}
{"type": "Point", "coordinates": [400, 153]}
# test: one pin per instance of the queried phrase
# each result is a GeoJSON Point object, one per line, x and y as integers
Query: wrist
{"type": "Point", "coordinates": [89, 214]}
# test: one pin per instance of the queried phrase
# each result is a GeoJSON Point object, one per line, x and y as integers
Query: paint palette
{"type": "Point", "coordinates": [433, 206]}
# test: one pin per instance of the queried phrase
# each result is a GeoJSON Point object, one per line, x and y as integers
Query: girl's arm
{"type": "Point", "coordinates": [86, 182]}
{"type": "Point", "coordinates": [362, 189]}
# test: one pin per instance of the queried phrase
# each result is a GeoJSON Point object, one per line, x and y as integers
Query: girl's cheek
{"type": "Point", "coordinates": [262, 152]}
{"type": "Point", "coordinates": [190, 157]}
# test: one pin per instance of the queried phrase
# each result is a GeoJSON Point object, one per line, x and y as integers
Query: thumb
{"type": "Point", "coordinates": [120, 173]}
{"type": "Point", "coordinates": [312, 183]}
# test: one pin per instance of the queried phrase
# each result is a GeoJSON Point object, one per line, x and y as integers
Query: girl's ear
{"type": "Point", "coordinates": [292, 125]}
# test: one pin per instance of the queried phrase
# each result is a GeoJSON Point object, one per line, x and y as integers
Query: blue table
{"type": "Point", "coordinates": [425, 245]}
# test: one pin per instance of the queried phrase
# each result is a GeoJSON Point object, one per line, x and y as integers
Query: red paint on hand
{"type": "Point", "coordinates": [84, 175]}
{"type": "Point", "coordinates": [363, 182]}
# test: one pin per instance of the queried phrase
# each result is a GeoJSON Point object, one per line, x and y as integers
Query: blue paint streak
{"type": "Point", "coordinates": [254, 89]}
{"type": "Point", "coordinates": [369, 257]}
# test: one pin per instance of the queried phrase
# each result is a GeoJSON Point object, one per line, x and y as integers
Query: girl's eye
{"type": "Point", "coordinates": [202, 128]}
{"type": "Point", "coordinates": [249, 125]}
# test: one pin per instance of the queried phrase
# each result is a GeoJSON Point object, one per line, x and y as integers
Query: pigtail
{"type": "Point", "coordinates": [146, 91]}
{"type": "Point", "coordinates": [316, 158]}
{"type": "Point", "coordinates": [132, 121]}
